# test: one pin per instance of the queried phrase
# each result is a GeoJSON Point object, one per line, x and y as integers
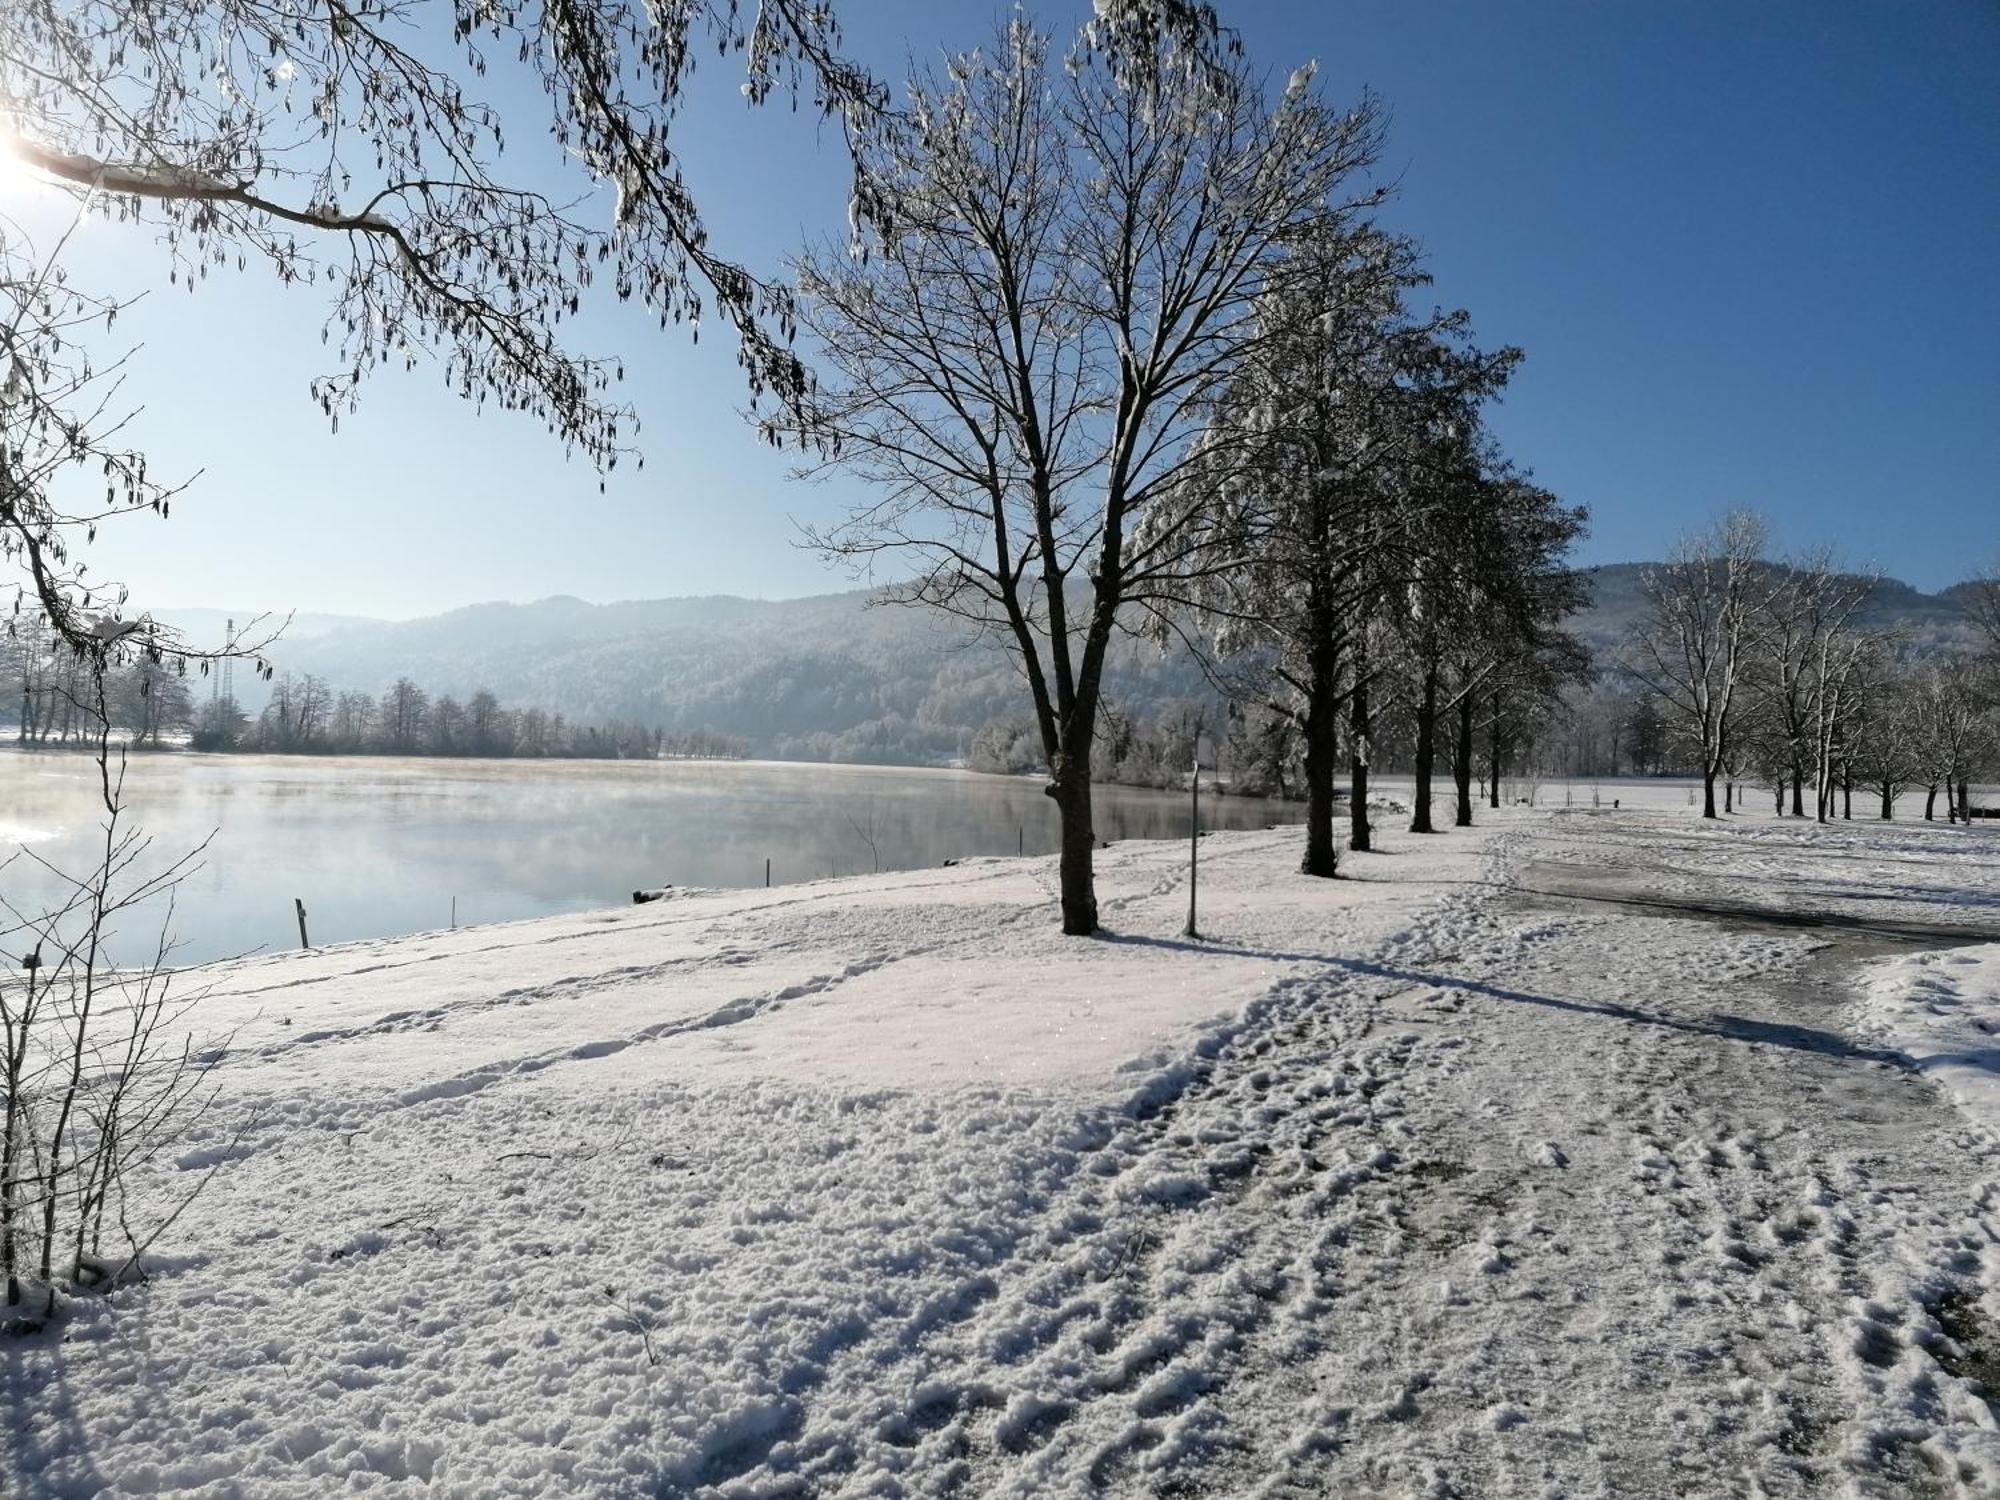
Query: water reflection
{"type": "Point", "coordinates": [377, 846]}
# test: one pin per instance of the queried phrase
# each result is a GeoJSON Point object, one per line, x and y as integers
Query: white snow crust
{"type": "Point", "coordinates": [1942, 1011]}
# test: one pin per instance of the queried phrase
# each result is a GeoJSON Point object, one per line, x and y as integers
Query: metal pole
{"type": "Point", "coordinates": [304, 941]}
{"type": "Point", "coordinates": [767, 872]}
{"type": "Point", "coordinates": [1194, 842]}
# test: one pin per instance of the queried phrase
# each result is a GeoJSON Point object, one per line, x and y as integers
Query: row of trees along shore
{"type": "Point", "coordinates": [1770, 677]}
{"type": "Point", "coordinates": [1127, 349]}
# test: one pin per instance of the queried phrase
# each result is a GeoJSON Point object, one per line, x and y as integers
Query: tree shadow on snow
{"type": "Point", "coordinates": [46, 1445]}
{"type": "Point", "coordinates": [1717, 1024]}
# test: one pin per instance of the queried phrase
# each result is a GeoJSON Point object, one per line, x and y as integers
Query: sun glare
{"type": "Point", "coordinates": [18, 179]}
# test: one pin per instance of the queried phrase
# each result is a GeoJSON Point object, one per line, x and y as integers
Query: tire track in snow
{"type": "Point", "coordinates": [1093, 1355]}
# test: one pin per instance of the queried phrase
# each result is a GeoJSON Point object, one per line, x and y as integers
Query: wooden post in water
{"type": "Point", "coordinates": [454, 913]}
{"type": "Point", "coordinates": [1021, 840]}
{"type": "Point", "coordinates": [1194, 841]}
{"type": "Point", "coordinates": [767, 872]}
{"type": "Point", "coordinates": [304, 941]}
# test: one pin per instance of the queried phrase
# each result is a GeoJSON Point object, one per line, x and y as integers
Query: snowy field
{"type": "Point", "coordinates": [1580, 1154]}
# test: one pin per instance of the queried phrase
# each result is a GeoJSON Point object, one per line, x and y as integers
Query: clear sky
{"type": "Point", "coordinates": [1752, 252]}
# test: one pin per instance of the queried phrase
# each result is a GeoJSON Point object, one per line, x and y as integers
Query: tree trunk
{"type": "Point", "coordinates": [1462, 770]}
{"type": "Point", "coordinates": [1781, 797]}
{"type": "Point", "coordinates": [1420, 812]}
{"type": "Point", "coordinates": [1798, 790]}
{"type": "Point", "coordinates": [1728, 796]}
{"type": "Point", "coordinates": [1493, 757]}
{"type": "Point", "coordinates": [1965, 799]}
{"type": "Point", "coordinates": [1320, 857]}
{"type": "Point", "coordinates": [1322, 697]}
{"type": "Point", "coordinates": [1847, 797]}
{"type": "Point", "coordinates": [1071, 790]}
{"type": "Point", "coordinates": [1707, 792]}
{"type": "Point", "coordinates": [1357, 726]}
{"type": "Point", "coordinates": [1930, 803]}
{"type": "Point", "coordinates": [1888, 802]}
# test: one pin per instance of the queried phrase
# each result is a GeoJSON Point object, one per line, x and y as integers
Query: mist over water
{"type": "Point", "coordinates": [377, 847]}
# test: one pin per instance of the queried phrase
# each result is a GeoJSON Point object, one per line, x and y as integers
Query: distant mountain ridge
{"type": "Point", "coordinates": [822, 677]}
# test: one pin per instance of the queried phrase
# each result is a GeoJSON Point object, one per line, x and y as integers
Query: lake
{"type": "Point", "coordinates": [377, 846]}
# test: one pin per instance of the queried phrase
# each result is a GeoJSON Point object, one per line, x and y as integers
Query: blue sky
{"type": "Point", "coordinates": [1751, 252]}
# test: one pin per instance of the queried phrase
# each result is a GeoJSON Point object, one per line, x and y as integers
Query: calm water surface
{"type": "Point", "coordinates": [379, 846]}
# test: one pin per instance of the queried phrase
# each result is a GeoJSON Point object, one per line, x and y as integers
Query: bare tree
{"type": "Point", "coordinates": [1951, 731]}
{"type": "Point", "coordinates": [404, 716]}
{"type": "Point", "coordinates": [1800, 678]}
{"type": "Point", "coordinates": [1693, 650]}
{"type": "Point", "coordinates": [1062, 271]}
{"type": "Point", "coordinates": [1983, 604]}
{"type": "Point", "coordinates": [1884, 734]}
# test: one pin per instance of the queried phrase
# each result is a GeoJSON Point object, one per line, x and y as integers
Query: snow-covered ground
{"type": "Point", "coordinates": [1942, 1012]}
{"type": "Point", "coordinates": [1494, 1170]}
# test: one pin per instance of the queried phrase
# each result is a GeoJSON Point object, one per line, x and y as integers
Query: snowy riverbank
{"type": "Point", "coordinates": [1409, 1184]}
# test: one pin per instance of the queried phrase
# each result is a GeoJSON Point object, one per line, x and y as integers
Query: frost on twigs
{"type": "Point", "coordinates": [100, 1071]}
{"type": "Point", "coordinates": [331, 146]}
{"type": "Point", "coordinates": [325, 145]}
{"type": "Point", "coordinates": [66, 470]}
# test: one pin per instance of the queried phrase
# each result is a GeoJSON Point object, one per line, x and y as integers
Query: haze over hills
{"type": "Point", "coordinates": [823, 677]}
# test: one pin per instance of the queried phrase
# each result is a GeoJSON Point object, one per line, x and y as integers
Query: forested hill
{"type": "Point", "coordinates": [821, 677]}
{"type": "Point", "coordinates": [827, 677]}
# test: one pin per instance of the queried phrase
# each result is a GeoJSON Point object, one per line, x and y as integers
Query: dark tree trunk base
{"type": "Point", "coordinates": [1077, 864]}
{"type": "Point", "coordinates": [1420, 808]}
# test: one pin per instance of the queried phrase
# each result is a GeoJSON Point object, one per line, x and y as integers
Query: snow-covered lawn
{"type": "Point", "coordinates": [1411, 1184]}
{"type": "Point", "coordinates": [1942, 1012]}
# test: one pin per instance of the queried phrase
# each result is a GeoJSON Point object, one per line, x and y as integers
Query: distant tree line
{"type": "Point", "coordinates": [305, 716]}
{"type": "Point", "coordinates": [1769, 678]}
{"type": "Point", "coordinates": [155, 704]}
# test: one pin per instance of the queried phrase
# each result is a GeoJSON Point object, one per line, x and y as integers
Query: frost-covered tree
{"type": "Point", "coordinates": [1314, 487]}
{"type": "Point", "coordinates": [1061, 270]}
{"type": "Point", "coordinates": [1982, 603]}
{"type": "Point", "coordinates": [1481, 608]}
{"type": "Point", "coordinates": [1952, 731]}
{"type": "Point", "coordinates": [1695, 647]}
{"type": "Point", "coordinates": [487, 729]}
{"type": "Point", "coordinates": [404, 717]}
{"type": "Point", "coordinates": [364, 149]}
{"type": "Point", "coordinates": [150, 700]}
{"type": "Point", "coordinates": [1884, 741]}
{"type": "Point", "coordinates": [1807, 646]}
{"type": "Point", "coordinates": [358, 148]}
